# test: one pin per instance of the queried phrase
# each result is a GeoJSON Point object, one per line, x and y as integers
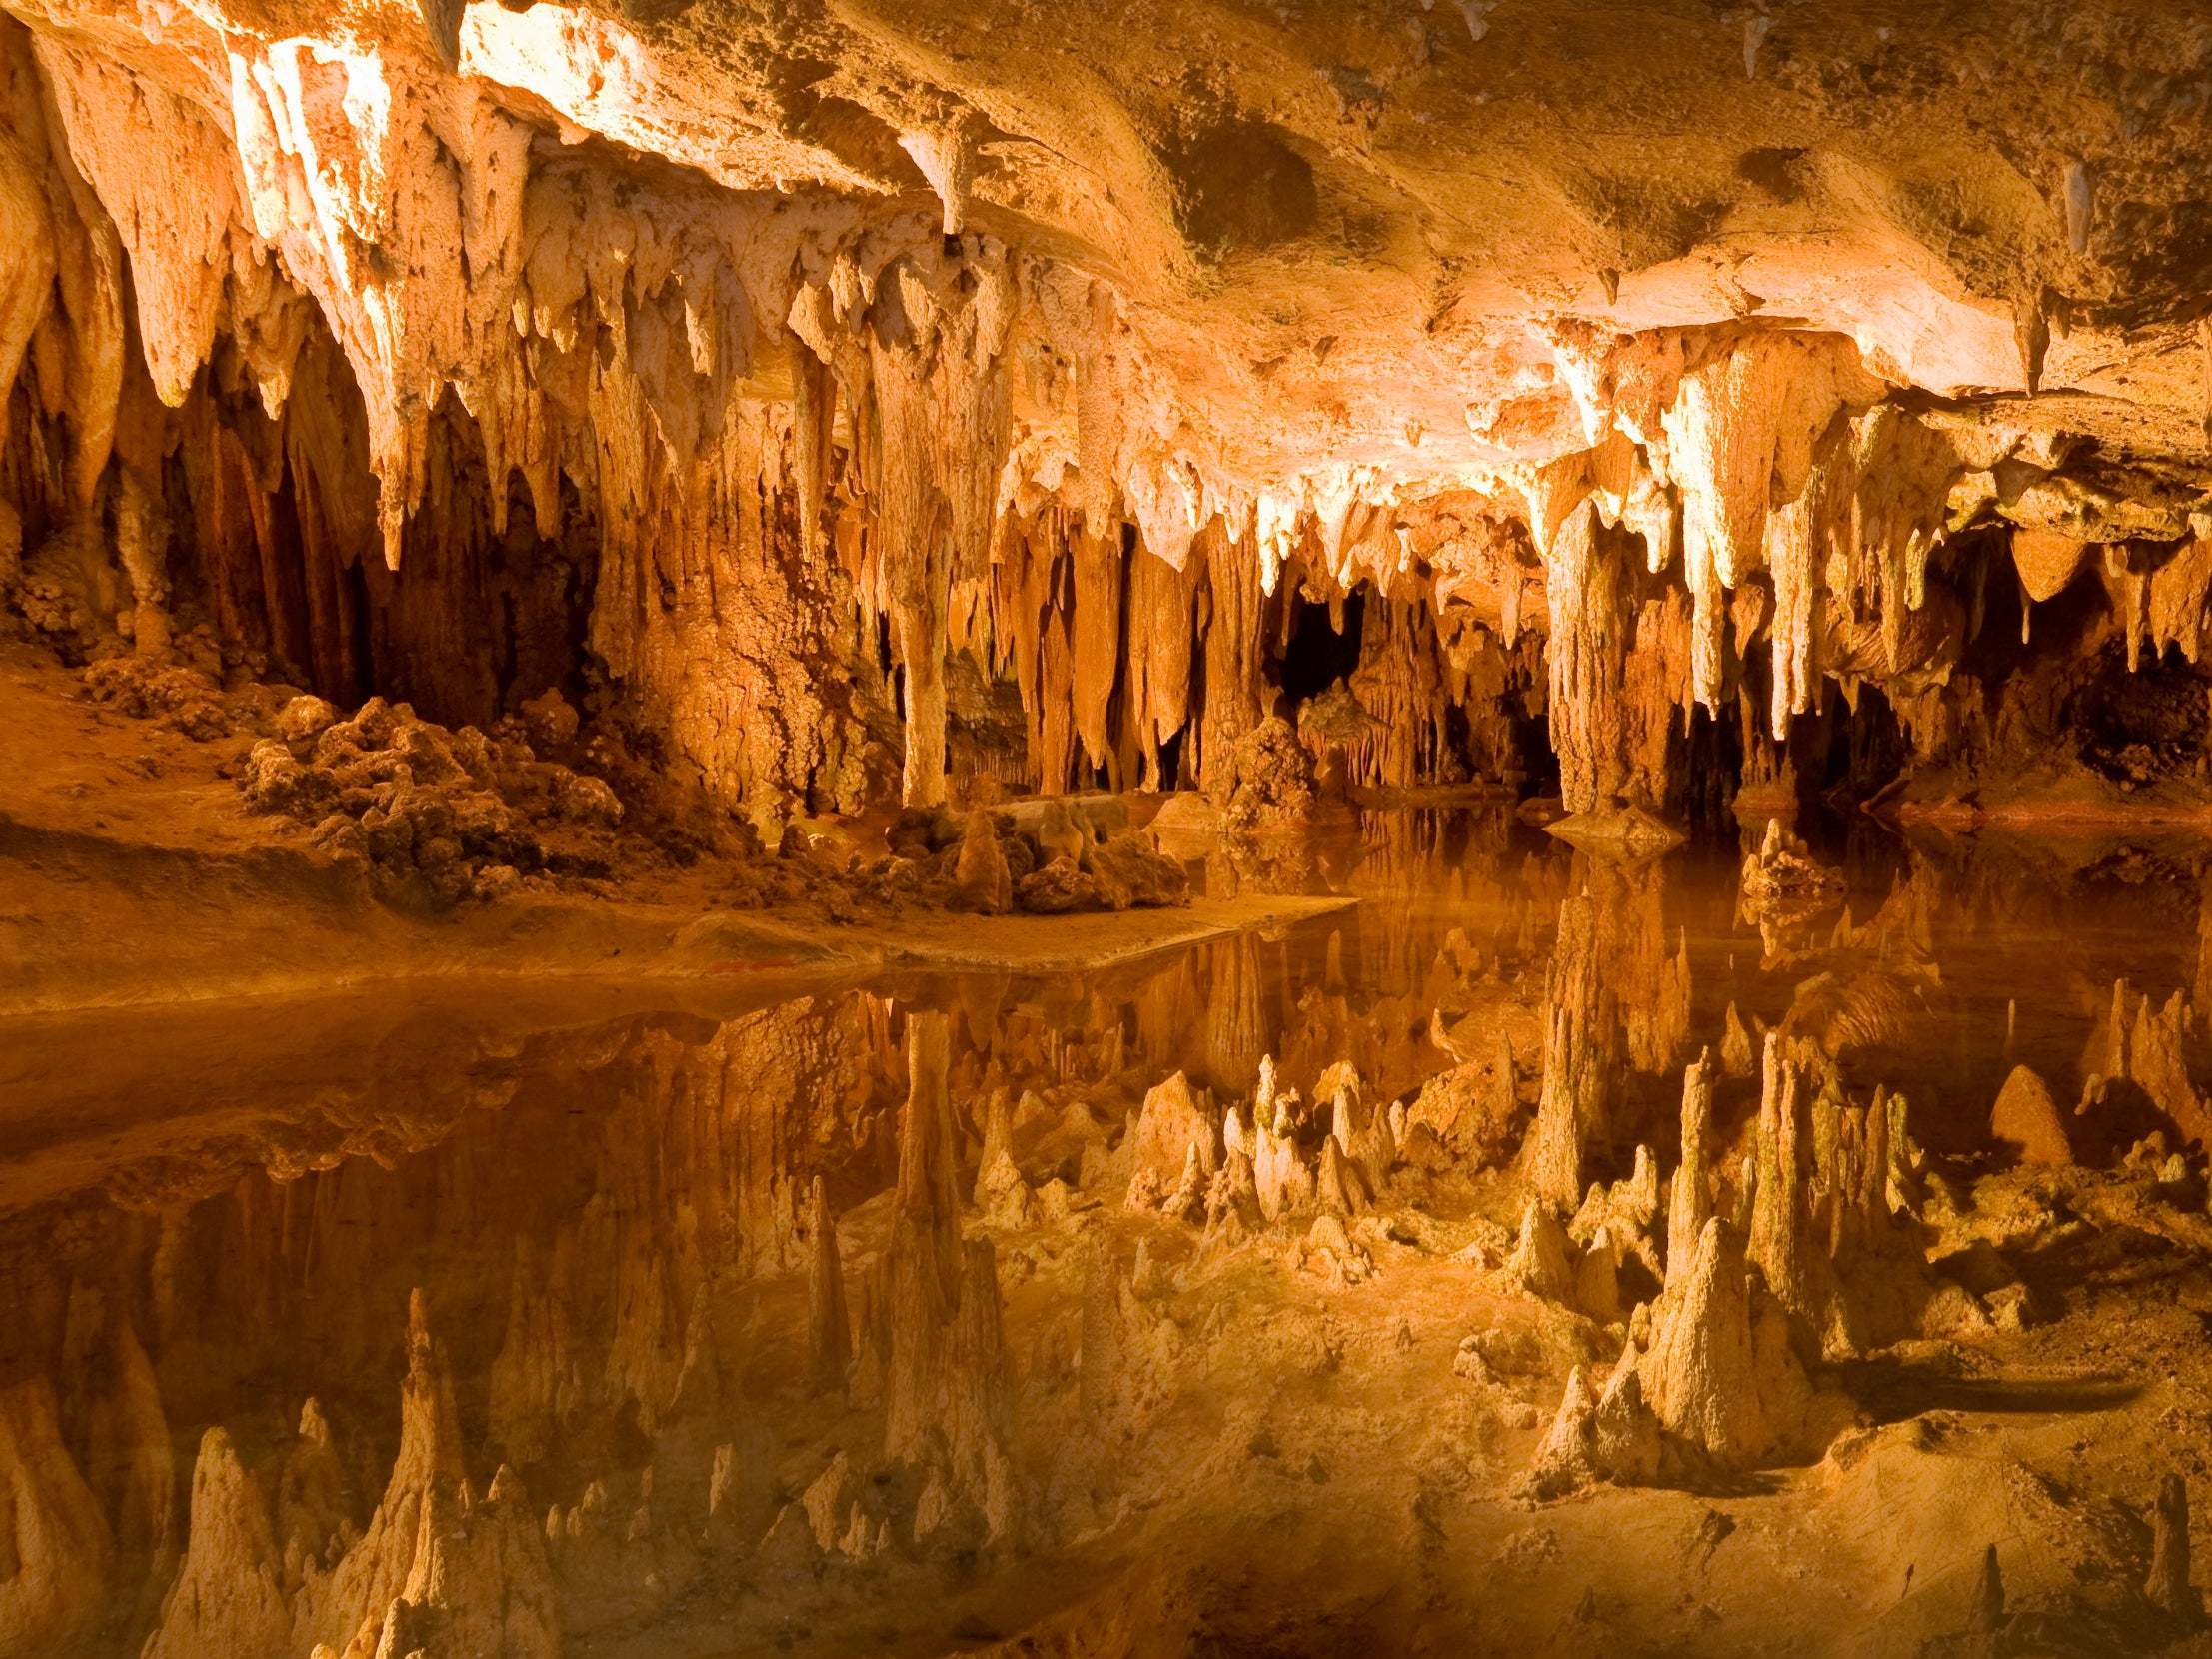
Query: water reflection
{"type": "Point", "coordinates": [831, 1324]}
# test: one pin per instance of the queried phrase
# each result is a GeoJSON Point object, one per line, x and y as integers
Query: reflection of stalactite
{"type": "Point", "coordinates": [828, 1336]}
{"type": "Point", "coordinates": [1580, 1056]}
{"type": "Point", "coordinates": [1615, 1001]}
{"type": "Point", "coordinates": [948, 1395]}
{"type": "Point", "coordinates": [1235, 1033]}
{"type": "Point", "coordinates": [1651, 986]}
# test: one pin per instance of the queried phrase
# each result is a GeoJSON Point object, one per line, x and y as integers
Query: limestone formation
{"type": "Point", "coordinates": [2026, 1118]}
{"type": "Point", "coordinates": [1690, 1199]}
{"type": "Point", "coordinates": [2168, 1586]}
{"type": "Point", "coordinates": [1539, 1265]}
{"type": "Point", "coordinates": [1783, 881]}
{"type": "Point", "coordinates": [230, 1593]}
{"type": "Point", "coordinates": [1721, 1372]}
{"type": "Point", "coordinates": [57, 1541]}
{"type": "Point", "coordinates": [1613, 1438]}
{"type": "Point", "coordinates": [982, 881]}
{"type": "Point", "coordinates": [1098, 629]}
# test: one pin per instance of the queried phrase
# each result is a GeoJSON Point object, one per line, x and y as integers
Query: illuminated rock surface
{"type": "Point", "coordinates": [1103, 828]}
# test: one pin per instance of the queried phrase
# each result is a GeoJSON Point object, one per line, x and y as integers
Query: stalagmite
{"type": "Point", "coordinates": [57, 1544]}
{"type": "Point", "coordinates": [375, 1570]}
{"type": "Point", "coordinates": [2026, 1118]}
{"type": "Point", "coordinates": [1538, 1264]}
{"type": "Point", "coordinates": [2168, 1586]}
{"type": "Point", "coordinates": [1612, 1438]}
{"type": "Point", "coordinates": [230, 1594]}
{"type": "Point", "coordinates": [1779, 1205]}
{"type": "Point", "coordinates": [481, 1581]}
{"type": "Point", "coordinates": [1721, 1371]}
{"type": "Point", "coordinates": [1690, 1204]}
{"type": "Point", "coordinates": [1340, 1188]}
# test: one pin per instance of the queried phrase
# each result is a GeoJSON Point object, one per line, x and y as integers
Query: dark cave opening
{"type": "Point", "coordinates": [1170, 759]}
{"type": "Point", "coordinates": [2137, 726]}
{"type": "Point", "coordinates": [1317, 654]}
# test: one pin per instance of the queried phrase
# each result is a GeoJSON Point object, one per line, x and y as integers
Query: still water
{"type": "Point", "coordinates": [326, 1261]}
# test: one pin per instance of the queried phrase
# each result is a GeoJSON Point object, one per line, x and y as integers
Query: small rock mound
{"type": "Point", "coordinates": [2026, 1118]}
{"type": "Point", "coordinates": [1269, 781]}
{"type": "Point", "coordinates": [1782, 882]}
{"type": "Point", "coordinates": [450, 813]}
{"type": "Point", "coordinates": [989, 863]}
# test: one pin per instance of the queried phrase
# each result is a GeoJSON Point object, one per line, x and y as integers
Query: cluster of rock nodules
{"type": "Point", "coordinates": [1044, 857]}
{"type": "Point", "coordinates": [448, 814]}
{"type": "Point", "coordinates": [1781, 881]}
{"type": "Point", "coordinates": [464, 813]}
{"type": "Point", "coordinates": [270, 320]}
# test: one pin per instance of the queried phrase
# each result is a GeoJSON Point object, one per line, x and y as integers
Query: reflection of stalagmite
{"type": "Point", "coordinates": [829, 1337]}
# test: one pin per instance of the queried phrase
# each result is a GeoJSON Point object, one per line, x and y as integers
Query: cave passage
{"type": "Point", "coordinates": [1019, 828]}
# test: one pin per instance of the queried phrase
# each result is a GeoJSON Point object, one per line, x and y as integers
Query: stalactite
{"type": "Point", "coordinates": [1233, 605]}
{"type": "Point", "coordinates": [1588, 649]}
{"type": "Point", "coordinates": [1161, 653]}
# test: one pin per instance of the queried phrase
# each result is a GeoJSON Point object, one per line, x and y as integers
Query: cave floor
{"type": "Point", "coordinates": [212, 1212]}
{"type": "Point", "coordinates": [132, 872]}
